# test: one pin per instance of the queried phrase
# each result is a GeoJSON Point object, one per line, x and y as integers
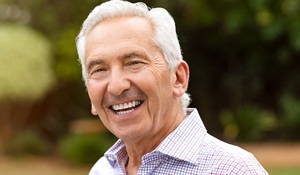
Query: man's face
{"type": "Point", "coordinates": [129, 82]}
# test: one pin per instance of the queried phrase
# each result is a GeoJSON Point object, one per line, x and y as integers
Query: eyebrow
{"type": "Point", "coordinates": [134, 54]}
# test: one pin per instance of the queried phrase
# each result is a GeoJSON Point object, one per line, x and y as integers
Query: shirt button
{"type": "Point", "coordinates": [111, 158]}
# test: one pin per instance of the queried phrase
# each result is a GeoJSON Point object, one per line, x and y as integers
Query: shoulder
{"type": "Point", "coordinates": [225, 158]}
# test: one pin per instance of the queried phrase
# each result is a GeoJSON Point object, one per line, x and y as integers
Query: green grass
{"type": "Point", "coordinates": [284, 171]}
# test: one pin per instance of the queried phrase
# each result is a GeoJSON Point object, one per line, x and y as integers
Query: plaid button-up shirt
{"type": "Point", "coordinates": [188, 150]}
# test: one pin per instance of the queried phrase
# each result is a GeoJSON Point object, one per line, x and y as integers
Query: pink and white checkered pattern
{"type": "Point", "coordinates": [187, 150]}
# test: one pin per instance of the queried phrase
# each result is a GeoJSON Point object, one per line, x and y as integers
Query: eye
{"type": "Point", "coordinates": [97, 72]}
{"type": "Point", "coordinates": [135, 65]}
{"type": "Point", "coordinates": [135, 62]}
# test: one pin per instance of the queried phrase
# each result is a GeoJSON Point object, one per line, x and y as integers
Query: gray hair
{"type": "Point", "coordinates": [165, 31]}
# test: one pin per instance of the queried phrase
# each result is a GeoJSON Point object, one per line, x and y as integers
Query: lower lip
{"type": "Point", "coordinates": [126, 112]}
{"type": "Point", "coordinates": [128, 115]}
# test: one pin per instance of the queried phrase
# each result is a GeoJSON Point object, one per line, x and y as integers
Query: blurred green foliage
{"type": "Point", "coordinates": [290, 110]}
{"type": "Point", "coordinates": [25, 69]}
{"type": "Point", "coordinates": [85, 148]}
{"type": "Point", "coordinates": [239, 52]}
{"type": "Point", "coordinates": [67, 67]}
{"type": "Point", "coordinates": [28, 143]}
{"type": "Point", "coordinates": [247, 123]}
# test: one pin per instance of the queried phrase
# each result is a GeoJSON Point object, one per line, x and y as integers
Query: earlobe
{"type": "Point", "coordinates": [182, 79]}
{"type": "Point", "coordinates": [93, 110]}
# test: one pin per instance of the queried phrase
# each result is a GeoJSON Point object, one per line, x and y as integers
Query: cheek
{"type": "Point", "coordinates": [162, 80]}
{"type": "Point", "coordinates": [148, 81]}
{"type": "Point", "coordinates": [96, 92]}
{"type": "Point", "coordinates": [155, 84]}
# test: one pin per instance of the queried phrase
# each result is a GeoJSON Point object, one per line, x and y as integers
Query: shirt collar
{"type": "Point", "coordinates": [184, 142]}
{"type": "Point", "coordinates": [117, 154]}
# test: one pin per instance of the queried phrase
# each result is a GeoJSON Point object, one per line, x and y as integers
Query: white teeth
{"type": "Point", "coordinates": [129, 105]}
{"type": "Point", "coordinates": [137, 103]}
{"type": "Point", "coordinates": [126, 105]}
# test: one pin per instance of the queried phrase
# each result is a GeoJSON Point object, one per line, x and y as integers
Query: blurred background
{"type": "Point", "coordinates": [244, 59]}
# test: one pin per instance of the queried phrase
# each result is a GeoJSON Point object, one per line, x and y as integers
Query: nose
{"type": "Point", "coordinates": [118, 82]}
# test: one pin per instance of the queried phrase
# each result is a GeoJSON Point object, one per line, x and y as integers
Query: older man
{"type": "Point", "coordinates": [137, 81]}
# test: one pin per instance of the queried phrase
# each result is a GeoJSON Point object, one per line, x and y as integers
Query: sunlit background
{"type": "Point", "coordinates": [244, 59]}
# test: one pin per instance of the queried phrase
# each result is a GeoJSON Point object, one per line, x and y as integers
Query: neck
{"type": "Point", "coordinates": [137, 148]}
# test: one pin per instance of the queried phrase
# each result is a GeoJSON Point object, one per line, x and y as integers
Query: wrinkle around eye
{"type": "Point", "coordinates": [157, 67]}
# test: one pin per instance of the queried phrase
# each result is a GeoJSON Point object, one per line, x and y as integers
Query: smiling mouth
{"type": "Point", "coordinates": [126, 108]}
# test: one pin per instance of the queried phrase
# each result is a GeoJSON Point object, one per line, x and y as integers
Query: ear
{"type": "Point", "coordinates": [182, 79]}
{"type": "Point", "coordinates": [93, 110]}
